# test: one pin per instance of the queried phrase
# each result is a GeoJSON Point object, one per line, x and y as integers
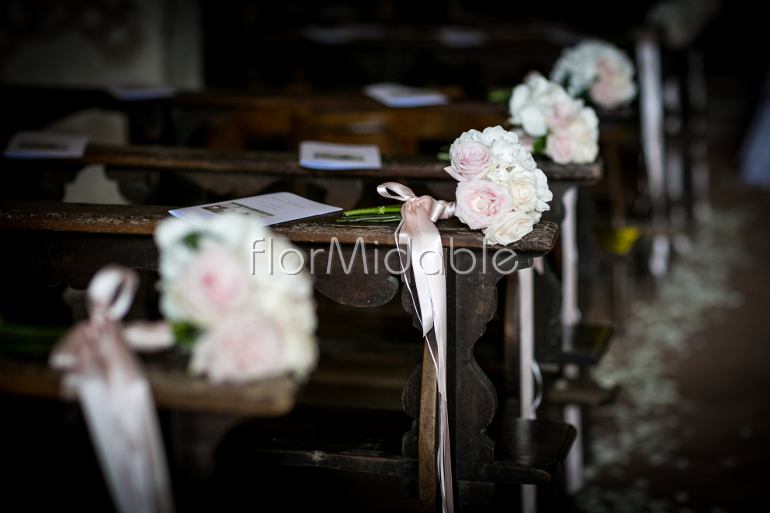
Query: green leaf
{"type": "Point", "coordinates": [185, 334]}
{"type": "Point", "coordinates": [538, 146]}
{"type": "Point", "coordinates": [192, 240]}
{"type": "Point", "coordinates": [500, 95]}
{"type": "Point", "coordinates": [443, 156]}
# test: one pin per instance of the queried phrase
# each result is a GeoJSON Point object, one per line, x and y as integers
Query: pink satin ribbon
{"type": "Point", "coordinates": [418, 232]}
{"type": "Point", "coordinates": [115, 396]}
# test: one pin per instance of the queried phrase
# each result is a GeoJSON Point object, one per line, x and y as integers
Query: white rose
{"type": "Point", "coordinates": [528, 105]}
{"type": "Point", "coordinates": [585, 135]}
{"type": "Point", "coordinates": [519, 98]}
{"type": "Point", "coordinates": [509, 228]}
{"type": "Point", "coordinates": [523, 191]}
{"type": "Point", "coordinates": [471, 135]}
{"type": "Point", "coordinates": [499, 175]}
{"type": "Point", "coordinates": [539, 105]}
{"type": "Point", "coordinates": [525, 159]}
{"type": "Point", "coordinates": [544, 194]}
{"type": "Point", "coordinates": [495, 135]}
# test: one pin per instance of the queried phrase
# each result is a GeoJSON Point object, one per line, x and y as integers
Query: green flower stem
{"type": "Point", "coordinates": [27, 330]}
{"type": "Point", "coordinates": [28, 340]}
{"type": "Point", "coordinates": [499, 95]}
{"type": "Point", "coordinates": [384, 218]}
{"type": "Point", "coordinates": [388, 209]}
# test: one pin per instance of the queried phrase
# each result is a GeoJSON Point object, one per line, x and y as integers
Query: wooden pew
{"type": "Point", "coordinates": [210, 175]}
{"type": "Point", "coordinates": [228, 170]}
{"type": "Point", "coordinates": [220, 165]}
{"type": "Point", "coordinates": [70, 241]}
{"type": "Point", "coordinates": [172, 387]}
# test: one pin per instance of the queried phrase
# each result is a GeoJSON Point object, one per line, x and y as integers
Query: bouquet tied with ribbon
{"type": "Point", "coordinates": [237, 295]}
{"type": "Point", "coordinates": [597, 70]}
{"type": "Point", "coordinates": [501, 191]}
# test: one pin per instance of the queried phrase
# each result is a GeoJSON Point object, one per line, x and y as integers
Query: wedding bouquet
{"type": "Point", "coordinates": [238, 295]}
{"type": "Point", "coordinates": [553, 122]}
{"type": "Point", "coordinates": [599, 70]}
{"type": "Point", "coordinates": [500, 188]}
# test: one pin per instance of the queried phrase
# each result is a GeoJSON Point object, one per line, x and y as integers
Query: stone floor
{"type": "Point", "coordinates": [691, 430]}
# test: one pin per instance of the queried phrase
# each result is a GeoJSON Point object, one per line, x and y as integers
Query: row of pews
{"type": "Point", "coordinates": [370, 407]}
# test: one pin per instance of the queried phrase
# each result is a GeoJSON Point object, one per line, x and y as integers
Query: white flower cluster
{"type": "Point", "coordinates": [500, 189]}
{"type": "Point", "coordinates": [553, 122]}
{"type": "Point", "coordinates": [597, 68]}
{"type": "Point", "coordinates": [219, 277]}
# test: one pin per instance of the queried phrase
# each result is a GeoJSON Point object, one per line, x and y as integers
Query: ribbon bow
{"type": "Point", "coordinates": [117, 403]}
{"type": "Point", "coordinates": [418, 232]}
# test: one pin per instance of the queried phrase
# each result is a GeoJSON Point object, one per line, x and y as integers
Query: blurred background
{"type": "Point", "coordinates": [303, 45]}
{"type": "Point", "coordinates": [468, 49]}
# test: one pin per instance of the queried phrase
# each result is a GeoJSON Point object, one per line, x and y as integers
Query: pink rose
{"type": "Point", "coordinates": [612, 92]}
{"type": "Point", "coordinates": [212, 284]}
{"type": "Point", "coordinates": [240, 348]}
{"type": "Point", "coordinates": [480, 202]}
{"type": "Point", "coordinates": [612, 87]}
{"type": "Point", "coordinates": [559, 146]}
{"type": "Point", "coordinates": [562, 113]}
{"type": "Point", "coordinates": [470, 161]}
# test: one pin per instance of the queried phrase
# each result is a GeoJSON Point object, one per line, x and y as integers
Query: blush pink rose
{"type": "Point", "coordinates": [240, 348]}
{"type": "Point", "coordinates": [470, 161]}
{"type": "Point", "coordinates": [611, 92]}
{"type": "Point", "coordinates": [480, 202]}
{"type": "Point", "coordinates": [560, 146]}
{"type": "Point", "coordinates": [213, 283]}
{"type": "Point", "coordinates": [612, 86]}
{"type": "Point", "coordinates": [562, 113]}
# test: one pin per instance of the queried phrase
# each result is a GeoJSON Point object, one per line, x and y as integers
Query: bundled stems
{"type": "Point", "coordinates": [382, 214]}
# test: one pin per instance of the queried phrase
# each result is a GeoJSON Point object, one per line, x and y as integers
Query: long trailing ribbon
{"type": "Point", "coordinates": [117, 403]}
{"type": "Point", "coordinates": [417, 230]}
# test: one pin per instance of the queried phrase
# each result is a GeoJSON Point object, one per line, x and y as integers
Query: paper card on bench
{"type": "Point", "coordinates": [139, 92]}
{"type": "Point", "coordinates": [398, 95]}
{"type": "Point", "coordinates": [46, 145]}
{"type": "Point", "coordinates": [274, 208]}
{"type": "Point", "coordinates": [321, 155]}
